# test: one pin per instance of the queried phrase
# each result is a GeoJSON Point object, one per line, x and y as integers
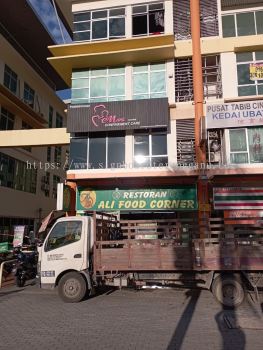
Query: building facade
{"type": "Point", "coordinates": [131, 117]}
{"type": "Point", "coordinates": [28, 100]}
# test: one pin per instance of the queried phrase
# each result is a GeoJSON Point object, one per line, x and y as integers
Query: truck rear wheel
{"type": "Point", "coordinates": [228, 290]}
{"type": "Point", "coordinates": [72, 287]}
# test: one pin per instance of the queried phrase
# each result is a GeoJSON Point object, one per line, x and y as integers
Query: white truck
{"type": "Point", "coordinates": [82, 252]}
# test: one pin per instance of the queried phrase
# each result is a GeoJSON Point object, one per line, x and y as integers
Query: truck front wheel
{"type": "Point", "coordinates": [228, 290]}
{"type": "Point", "coordinates": [72, 287]}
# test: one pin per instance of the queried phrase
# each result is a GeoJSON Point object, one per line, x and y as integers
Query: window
{"type": "Point", "coordinates": [57, 155]}
{"type": "Point", "coordinates": [78, 153]}
{"type": "Point", "coordinates": [106, 150]}
{"type": "Point", "coordinates": [10, 79]}
{"type": "Point", "coordinates": [99, 151]}
{"type": "Point", "coordinates": [59, 121]}
{"type": "Point", "coordinates": [212, 81]}
{"type": "Point", "coordinates": [45, 184]}
{"type": "Point", "coordinates": [98, 85]}
{"type": "Point", "coordinates": [246, 145]}
{"type": "Point", "coordinates": [48, 154]}
{"type": "Point", "coordinates": [50, 117]}
{"type": "Point", "coordinates": [56, 181]}
{"type": "Point", "coordinates": [29, 95]}
{"type": "Point", "coordinates": [17, 174]}
{"type": "Point", "coordinates": [99, 25]}
{"type": "Point", "coordinates": [242, 23]}
{"type": "Point", "coordinates": [150, 150]}
{"type": "Point", "coordinates": [7, 120]}
{"type": "Point", "coordinates": [64, 233]}
{"type": "Point", "coordinates": [247, 86]}
{"type": "Point", "coordinates": [148, 19]}
{"type": "Point", "coordinates": [149, 81]}
{"type": "Point", "coordinates": [26, 126]}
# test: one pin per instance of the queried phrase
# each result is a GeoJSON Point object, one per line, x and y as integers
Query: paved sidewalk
{"type": "Point", "coordinates": [32, 318]}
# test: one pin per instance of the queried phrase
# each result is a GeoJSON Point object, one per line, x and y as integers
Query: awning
{"type": "Point", "coordinates": [46, 221]}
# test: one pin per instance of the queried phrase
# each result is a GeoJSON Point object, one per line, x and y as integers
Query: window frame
{"type": "Point", "coordinates": [148, 11]}
{"type": "Point", "coordinates": [90, 76]}
{"type": "Point", "coordinates": [107, 137]}
{"type": "Point", "coordinates": [92, 20]}
{"type": "Point", "coordinates": [8, 117]}
{"type": "Point", "coordinates": [255, 83]}
{"type": "Point", "coordinates": [29, 92]}
{"type": "Point", "coordinates": [148, 72]}
{"type": "Point", "coordinates": [244, 11]}
{"type": "Point", "coordinates": [151, 157]}
{"type": "Point", "coordinates": [47, 249]}
{"type": "Point", "coordinates": [10, 75]}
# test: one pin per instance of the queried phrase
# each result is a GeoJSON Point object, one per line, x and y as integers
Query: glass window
{"type": "Point", "coordinates": [17, 174]}
{"type": "Point", "coordinates": [259, 21]}
{"type": "Point", "coordinates": [59, 121]}
{"type": "Point", "coordinates": [78, 153]}
{"type": "Point", "coordinates": [64, 233]}
{"type": "Point", "coordinates": [49, 154]}
{"type": "Point", "coordinates": [7, 120]}
{"type": "Point", "coordinates": [98, 85]}
{"type": "Point", "coordinates": [97, 152]}
{"type": "Point", "coordinates": [238, 146]}
{"type": "Point", "coordinates": [99, 29]}
{"type": "Point", "coordinates": [29, 95]}
{"type": "Point", "coordinates": [246, 145]}
{"type": "Point", "coordinates": [56, 181]}
{"type": "Point", "coordinates": [228, 24]}
{"type": "Point", "coordinates": [149, 81]}
{"type": "Point", "coordinates": [245, 24]}
{"type": "Point", "coordinates": [57, 155]}
{"type": "Point", "coordinates": [116, 151]}
{"type": "Point", "coordinates": [244, 56]}
{"type": "Point", "coordinates": [150, 150]}
{"type": "Point", "coordinates": [10, 79]}
{"type": "Point", "coordinates": [147, 19]}
{"type": "Point", "coordinates": [50, 117]}
{"type": "Point", "coordinates": [116, 27]}
{"type": "Point", "coordinates": [243, 74]}
{"type": "Point", "coordinates": [247, 84]}
{"type": "Point", "coordinates": [255, 144]}
{"type": "Point", "coordinates": [99, 25]}
{"type": "Point", "coordinates": [240, 24]}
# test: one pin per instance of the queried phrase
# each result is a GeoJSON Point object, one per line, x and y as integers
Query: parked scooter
{"type": "Point", "coordinates": [25, 267]}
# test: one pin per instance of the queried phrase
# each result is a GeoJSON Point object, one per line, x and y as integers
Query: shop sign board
{"type": "Point", "coordinates": [235, 114]}
{"type": "Point", "coordinates": [183, 198]}
{"type": "Point", "coordinates": [19, 232]}
{"type": "Point", "coordinates": [256, 71]}
{"type": "Point", "coordinates": [243, 217]}
{"type": "Point", "coordinates": [238, 198]}
{"type": "Point", "coordinates": [119, 115]}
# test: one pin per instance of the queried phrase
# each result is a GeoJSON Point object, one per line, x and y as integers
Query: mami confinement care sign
{"type": "Point", "coordinates": [181, 198]}
{"type": "Point", "coordinates": [235, 114]}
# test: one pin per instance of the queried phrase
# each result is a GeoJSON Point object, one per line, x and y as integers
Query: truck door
{"type": "Point", "coordinates": [64, 249]}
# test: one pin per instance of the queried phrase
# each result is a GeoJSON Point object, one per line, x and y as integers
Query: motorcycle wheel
{"type": "Point", "coordinates": [20, 281]}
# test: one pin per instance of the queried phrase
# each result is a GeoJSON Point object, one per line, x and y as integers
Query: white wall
{"type": "Point", "coordinates": [229, 75]}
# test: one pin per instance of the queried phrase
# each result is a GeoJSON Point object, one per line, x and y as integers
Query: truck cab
{"type": "Point", "coordinates": [64, 257]}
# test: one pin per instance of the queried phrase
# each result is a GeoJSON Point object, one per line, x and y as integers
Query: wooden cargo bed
{"type": "Point", "coordinates": [181, 245]}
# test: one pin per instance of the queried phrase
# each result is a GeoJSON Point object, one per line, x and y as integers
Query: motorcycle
{"type": "Point", "coordinates": [25, 267]}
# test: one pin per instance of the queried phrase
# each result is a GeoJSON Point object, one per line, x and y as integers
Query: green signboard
{"type": "Point", "coordinates": [176, 198]}
{"type": "Point", "coordinates": [4, 247]}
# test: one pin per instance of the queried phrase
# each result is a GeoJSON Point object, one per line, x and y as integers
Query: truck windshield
{"type": "Point", "coordinates": [64, 233]}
